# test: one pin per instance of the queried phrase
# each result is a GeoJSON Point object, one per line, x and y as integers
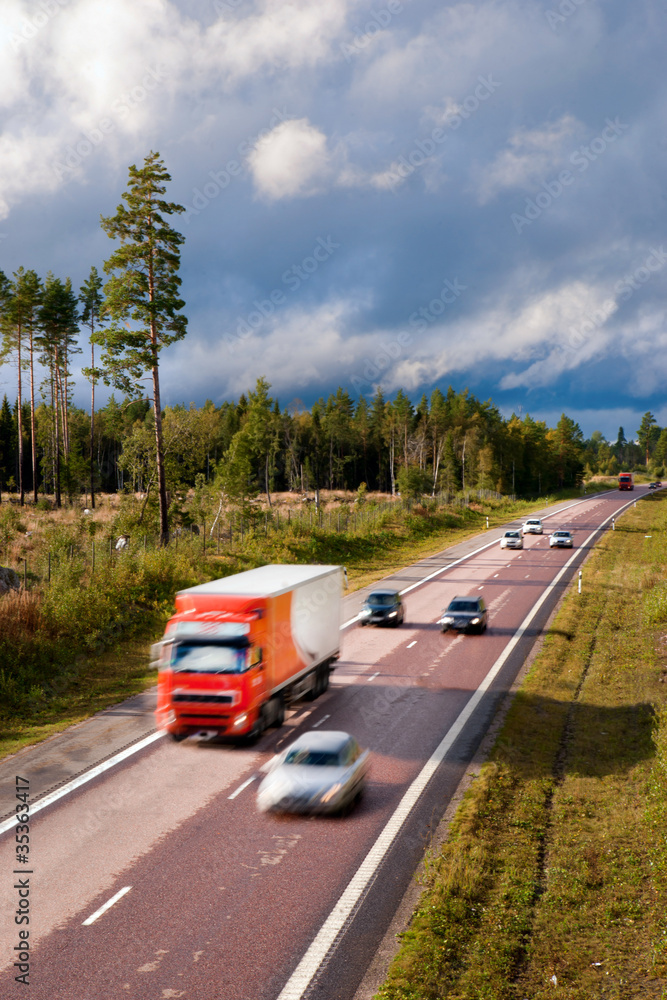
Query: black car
{"type": "Point", "coordinates": [382, 607]}
{"type": "Point", "coordinates": [465, 614]}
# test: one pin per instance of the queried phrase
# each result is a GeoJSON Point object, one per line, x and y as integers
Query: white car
{"type": "Point", "coordinates": [320, 772]}
{"type": "Point", "coordinates": [533, 526]}
{"type": "Point", "coordinates": [561, 539]}
{"type": "Point", "coordinates": [511, 540]}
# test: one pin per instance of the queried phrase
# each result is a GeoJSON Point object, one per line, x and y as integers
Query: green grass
{"type": "Point", "coordinates": [557, 858]}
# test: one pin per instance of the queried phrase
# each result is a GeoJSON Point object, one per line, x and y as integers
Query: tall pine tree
{"type": "Point", "coordinates": [92, 301]}
{"type": "Point", "coordinates": [143, 289]}
{"type": "Point", "coordinates": [19, 322]}
{"type": "Point", "coordinates": [58, 318]}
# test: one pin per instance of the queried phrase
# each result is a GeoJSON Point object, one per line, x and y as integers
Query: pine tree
{"type": "Point", "coordinates": [647, 433]}
{"type": "Point", "coordinates": [4, 435]}
{"type": "Point", "coordinates": [22, 297]}
{"type": "Point", "coordinates": [92, 301]}
{"type": "Point", "coordinates": [59, 324]}
{"type": "Point", "coordinates": [143, 289]}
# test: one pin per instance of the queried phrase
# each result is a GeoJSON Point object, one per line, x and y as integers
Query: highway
{"type": "Point", "coordinates": [211, 900]}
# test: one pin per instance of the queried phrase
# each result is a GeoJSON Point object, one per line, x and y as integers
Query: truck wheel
{"type": "Point", "coordinates": [279, 712]}
{"type": "Point", "coordinates": [178, 737]}
{"type": "Point", "coordinates": [321, 681]}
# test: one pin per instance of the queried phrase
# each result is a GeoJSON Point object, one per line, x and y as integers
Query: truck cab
{"type": "Point", "coordinates": [211, 676]}
{"type": "Point", "coordinates": [239, 649]}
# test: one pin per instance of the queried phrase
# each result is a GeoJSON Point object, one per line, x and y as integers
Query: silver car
{"type": "Point", "coordinates": [561, 539]}
{"type": "Point", "coordinates": [321, 772]}
{"type": "Point", "coordinates": [511, 540]}
{"type": "Point", "coordinates": [533, 526]}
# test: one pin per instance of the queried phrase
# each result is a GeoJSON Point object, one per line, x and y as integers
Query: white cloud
{"type": "Point", "coordinates": [531, 156]}
{"type": "Point", "coordinates": [70, 65]}
{"type": "Point", "coordinates": [297, 160]}
{"type": "Point", "coordinates": [538, 331]}
{"type": "Point", "coordinates": [280, 36]}
{"type": "Point", "coordinates": [292, 160]}
{"type": "Point", "coordinates": [295, 347]}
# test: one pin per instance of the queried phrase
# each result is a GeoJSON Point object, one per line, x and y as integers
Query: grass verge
{"type": "Point", "coordinates": [553, 879]}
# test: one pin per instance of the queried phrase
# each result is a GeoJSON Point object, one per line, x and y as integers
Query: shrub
{"type": "Point", "coordinates": [10, 524]}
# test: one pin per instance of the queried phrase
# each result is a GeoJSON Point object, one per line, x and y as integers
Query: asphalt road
{"type": "Point", "coordinates": [224, 903]}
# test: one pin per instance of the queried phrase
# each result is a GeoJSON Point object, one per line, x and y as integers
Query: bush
{"type": "Point", "coordinates": [10, 524]}
{"type": "Point", "coordinates": [413, 482]}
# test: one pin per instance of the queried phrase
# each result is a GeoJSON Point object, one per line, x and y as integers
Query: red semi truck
{"type": "Point", "coordinates": [626, 481]}
{"type": "Point", "coordinates": [238, 650]}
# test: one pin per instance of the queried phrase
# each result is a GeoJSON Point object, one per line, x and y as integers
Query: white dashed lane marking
{"type": "Point", "coordinates": [241, 787]}
{"type": "Point", "coordinates": [107, 906]}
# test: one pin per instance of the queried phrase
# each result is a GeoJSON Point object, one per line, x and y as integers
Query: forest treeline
{"type": "Point", "coordinates": [445, 442]}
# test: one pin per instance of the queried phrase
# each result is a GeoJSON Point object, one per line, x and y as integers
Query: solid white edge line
{"type": "Point", "coordinates": [309, 965]}
{"type": "Point", "coordinates": [59, 793]}
{"type": "Point", "coordinates": [107, 906]}
{"type": "Point", "coordinates": [241, 787]}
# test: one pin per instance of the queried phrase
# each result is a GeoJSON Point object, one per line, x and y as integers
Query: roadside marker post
{"type": "Point", "coordinates": [580, 581]}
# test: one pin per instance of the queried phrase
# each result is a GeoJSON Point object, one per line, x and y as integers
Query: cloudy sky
{"type": "Point", "coordinates": [405, 193]}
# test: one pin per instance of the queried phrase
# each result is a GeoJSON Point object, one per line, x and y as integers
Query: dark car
{"type": "Point", "coordinates": [465, 614]}
{"type": "Point", "coordinates": [382, 607]}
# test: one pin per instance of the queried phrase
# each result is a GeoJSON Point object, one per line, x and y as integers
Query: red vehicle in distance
{"type": "Point", "coordinates": [626, 481]}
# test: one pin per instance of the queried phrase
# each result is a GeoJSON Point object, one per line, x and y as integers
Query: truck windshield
{"type": "Point", "coordinates": [203, 659]}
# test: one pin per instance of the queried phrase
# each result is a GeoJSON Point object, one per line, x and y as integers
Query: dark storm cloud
{"type": "Point", "coordinates": [396, 193]}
